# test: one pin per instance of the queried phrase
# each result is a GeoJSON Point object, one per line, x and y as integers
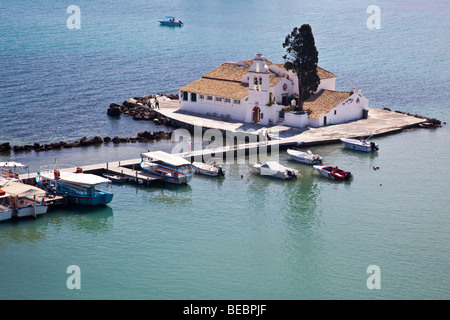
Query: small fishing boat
{"type": "Point", "coordinates": [8, 171]}
{"type": "Point", "coordinates": [166, 167]}
{"type": "Point", "coordinates": [6, 210]}
{"type": "Point", "coordinates": [78, 187]}
{"type": "Point", "coordinates": [275, 169]}
{"type": "Point", "coordinates": [115, 178]}
{"type": "Point", "coordinates": [304, 156]}
{"type": "Point", "coordinates": [212, 169]}
{"type": "Point", "coordinates": [360, 144]}
{"type": "Point", "coordinates": [171, 21]}
{"type": "Point", "coordinates": [27, 200]}
{"type": "Point", "coordinates": [334, 172]}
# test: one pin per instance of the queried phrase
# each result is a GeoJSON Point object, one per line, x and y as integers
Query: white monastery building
{"type": "Point", "coordinates": [255, 91]}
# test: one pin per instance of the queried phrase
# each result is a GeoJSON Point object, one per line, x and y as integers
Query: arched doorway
{"type": "Point", "coordinates": [256, 114]}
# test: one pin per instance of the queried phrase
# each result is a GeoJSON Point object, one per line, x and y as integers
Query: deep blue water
{"type": "Point", "coordinates": [248, 238]}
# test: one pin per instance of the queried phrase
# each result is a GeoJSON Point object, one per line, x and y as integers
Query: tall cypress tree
{"type": "Point", "coordinates": [302, 58]}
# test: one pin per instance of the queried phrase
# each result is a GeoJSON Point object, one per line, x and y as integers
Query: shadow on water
{"type": "Point", "coordinates": [84, 218]}
{"type": "Point", "coordinates": [163, 192]}
{"type": "Point", "coordinates": [351, 152]}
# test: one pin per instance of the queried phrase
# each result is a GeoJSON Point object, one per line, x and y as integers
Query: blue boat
{"type": "Point", "coordinates": [79, 188]}
{"type": "Point", "coordinates": [171, 21]}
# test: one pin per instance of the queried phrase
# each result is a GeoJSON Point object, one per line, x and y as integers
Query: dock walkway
{"type": "Point", "coordinates": [379, 122]}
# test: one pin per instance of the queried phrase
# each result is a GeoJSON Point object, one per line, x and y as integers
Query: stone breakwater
{"type": "Point", "coordinates": [144, 136]}
{"type": "Point", "coordinates": [141, 108]}
{"type": "Point", "coordinates": [430, 123]}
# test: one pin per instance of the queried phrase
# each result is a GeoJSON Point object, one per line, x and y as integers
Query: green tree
{"type": "Point", "coordinates": [302, 58]}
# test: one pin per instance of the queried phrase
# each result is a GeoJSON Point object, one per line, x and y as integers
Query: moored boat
{"type": "Point", "coordinates": [275, 169]}
{"type": "Point", "coordinates": [304, 156]}
{"type": "Point", "coordinates": [334, 172]}
{"type": "Point", "coordinates": [166, 167]}
{"type": "Point", "coordinates": [79, 188]}
{"type": "Point", "coordinates": [212, 169]}
{"type": "Point", "coordinates": [9, 171]}
{"type": "Point", "coordinates": [360, 144]}
{"type": "Point", "coordinates": [27, 200]}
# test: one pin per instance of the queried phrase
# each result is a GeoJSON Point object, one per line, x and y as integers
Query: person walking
{"type": "Point", "coordinates": [156, 103]}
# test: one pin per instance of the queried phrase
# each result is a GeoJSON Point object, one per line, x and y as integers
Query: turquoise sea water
{"type": "Point", "coordinates": [235, 238]}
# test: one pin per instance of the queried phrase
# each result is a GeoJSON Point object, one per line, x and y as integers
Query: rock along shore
{"type": "Point", "coordinates": [144, 136]}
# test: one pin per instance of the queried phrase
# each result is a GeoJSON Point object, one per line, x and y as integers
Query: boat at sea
{"type": "Point", "coordinates": [27, 200]}
{"type": "Point", "coordinates": [79, 188]}
{"type": "Point", "coordinates": [6, 210]}
{"type": "Point", "coordinates": [166, 167]}
{"type": "Point", "coordinates": [171, 21]}
{"type": "Point", "coordinates": [212, 169]}
{"type": "Point", "coordinates": [334, 172]}
{"type": "Point", "coordinates": [275, 169]}
{"type": "Point", "coordinates": [304, 156]}
{"type": "Point", "coordinates": [360, 144]}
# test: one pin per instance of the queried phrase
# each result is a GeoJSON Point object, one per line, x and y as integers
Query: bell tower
{"type": "Point", "coordinates": [258, 83]}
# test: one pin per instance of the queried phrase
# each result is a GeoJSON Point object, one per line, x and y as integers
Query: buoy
{"type": "Point", "coordinates": [242, 176]}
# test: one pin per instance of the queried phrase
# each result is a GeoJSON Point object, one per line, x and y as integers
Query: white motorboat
{"type": "Point", "coordinates": [212, 169]}
{"type": "Point", "coordinates": [304, 156]}
{"type": "Point", "coordinates": [166, 167]}
{"type": "Point", "coordinates": [274, 169]}
{"type": "Point", "coordinates": [360, 144]}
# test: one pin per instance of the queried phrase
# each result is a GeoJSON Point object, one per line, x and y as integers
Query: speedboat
{"type": "Point", "coordinates": [304, 156]}
{"type": "Point", "coordinates": [334, 172]}
{"type": "Point", "coordinates": [26, 200]}
{"type": "Point", "coordinates": [166, 167]}
{"type": "Point", "coordinates": [78, 187]}
{"type": "Point", "coordinates": [212, 169]}
{"type": "Point", "coordinates": [170, 21]}
{"type": "Point", "coordinates": [360, 144]}
{"type": "Point", "coordinates": [274, 169]}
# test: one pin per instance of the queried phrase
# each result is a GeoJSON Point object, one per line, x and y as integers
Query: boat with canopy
{"type": "Point", "coordinates": [171, 21]}
{"type": "Point", "coordinates": [166, 167]}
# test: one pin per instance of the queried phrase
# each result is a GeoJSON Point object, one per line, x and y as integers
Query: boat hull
{"type": "Point", "coordinates": [31, 211]}
{"type": "Point", "coordinates": [6, 213]}
{"type": "Point", "coordinates": [100, 199]}
{"type": "Point", "coordinates": [171, 23]}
